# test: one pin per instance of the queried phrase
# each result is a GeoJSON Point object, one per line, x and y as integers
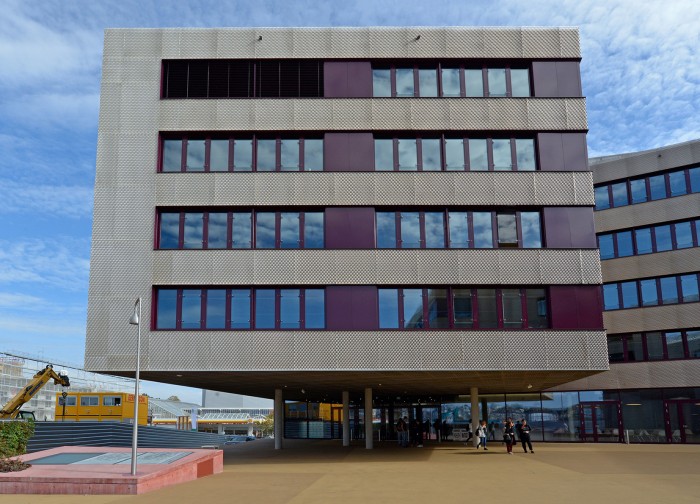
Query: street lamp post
{"type": "Point", "coordinates": [136, 320]}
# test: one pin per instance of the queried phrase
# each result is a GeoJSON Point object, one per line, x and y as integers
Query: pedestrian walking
{"type": "Point", "coordinates": [438, 429]}
{"type": "Point", "coordinates": [517, 429]}
{"type": "Point", "coordinates": [509, 436]}
{"type": "Point", "coordinates": [401, 431]}
{"type": "Point", "coordinates": [482, 433]}
{"type": "Point", "coordinates": [525, 436]}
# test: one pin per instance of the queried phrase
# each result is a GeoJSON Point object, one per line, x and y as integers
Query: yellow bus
{"type": "Point", "coordinates": [100, 407]}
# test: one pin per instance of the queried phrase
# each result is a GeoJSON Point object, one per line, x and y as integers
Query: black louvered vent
{"type": "Point", "coordinates": [243, 79]}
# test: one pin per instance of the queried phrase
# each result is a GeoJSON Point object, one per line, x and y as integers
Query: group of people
{"type": "Point", "coordinates": [410, 433]}
{"type": "Point", "coordinates": [522, 430]}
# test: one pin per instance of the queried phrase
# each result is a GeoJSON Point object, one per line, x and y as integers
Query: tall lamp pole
{"type": "Point", "coordinates": [136, 320]}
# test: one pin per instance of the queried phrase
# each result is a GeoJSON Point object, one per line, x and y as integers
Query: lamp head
{"type": "Point", "coordinates": [134, 320]}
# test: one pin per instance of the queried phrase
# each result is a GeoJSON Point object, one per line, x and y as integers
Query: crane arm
{"type": "Point", "coordinates": [11, 409]}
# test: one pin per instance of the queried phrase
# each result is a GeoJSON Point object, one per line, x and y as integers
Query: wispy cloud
{"type": "Point", "coordinates": [54, 200]}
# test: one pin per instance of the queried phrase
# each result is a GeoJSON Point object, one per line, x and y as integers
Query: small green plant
{"type": "Point", "coordinates": [14, 436]}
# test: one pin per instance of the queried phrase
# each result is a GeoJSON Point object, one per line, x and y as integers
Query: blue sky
{"type": "Point", "coordinates": [640, 75]}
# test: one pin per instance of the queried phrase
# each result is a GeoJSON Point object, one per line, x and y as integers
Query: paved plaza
{"type": "Point", "coordinates": [324, 472]}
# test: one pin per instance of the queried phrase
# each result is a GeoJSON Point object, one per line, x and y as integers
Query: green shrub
{"type": "Point", "coordinates": [14, 436]}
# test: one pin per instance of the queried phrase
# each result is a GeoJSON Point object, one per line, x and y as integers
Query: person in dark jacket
{"type": "Point", "coordinates": [525, 435]}
{"type": "Point", "coordinates": [509, 435]}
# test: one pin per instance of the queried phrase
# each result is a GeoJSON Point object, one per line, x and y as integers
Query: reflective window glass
{"type": "Point", "coordinates": [624, 244]}
{"type": "Point", "coordinates": [520, 82]}
{"type": "Point", "coordinates": [478, 158]}
{"type": "Point", "coordinates": [241, 231]}
{"type": "Point", "coordinates": [642, 237]}
{"type": "Point", "coordinates": [191, 309]}
{"type": "Point", "coordinates": [630, 299]}
{"type": "Point", "coordinates": [483, 230]}
{"type": "Point", "coordinates": [525, 154]}
{"type": "Point", "coordinates": [242, 155]}
{"type": "Point", "coordinates": [602, 198]}
{"type": "Point", "coordinates": [381, 82]}
{"type": "Point", "coordinates": [693, 340]}
{"type": "Point", "coordinates": [430, 152]}
{"type": "Point", "coordinates": [674, 345]}
{"type": "Point", "coordinates": [474, 80]}
{"type": "Point", "coordinates": [314, 309]}
{"type": "Point", "coordinates": [434, 230]}
{"type": "Point", "coordinates": [408, 155]}
{"type": "Point", "coordinates": [619, 194]}
{"type": "Point", "coordinates": [265, 230]}
{"type": "Point", "coordinates": [289, 230]}
{"type": "Point", "coordinates": [218, 155]}
{"type": "Point", "coordinates": [195, 155]}
{"type": "Point", "coordinates": [507, 230]}
{"type": "Point", "coordinates": [657, 187]}
{"type": "Point", "coordinates": [265, 308]}
{"type": "Point", "coordinates": [386, 230]}
{"type": "Point", "coordinates": [536, 308]}
{"type": "Point", "coordinates": [240, 308]}
{"type": "Point", "coordinates": [638, 190]}
{"type": "Point", "coordinates": [313, 230]}
{"type": "Point", "coordinates": [404, 82]}
{"type": "Point", "coordinates": [289, 155]}
{"type": "Point", "coordinates": [616, 351]}
{"type": "Point", "coordinates": [689, 288]}
{"type": "Point", "coordinates": [450, 82]}
{"type": "Point", "coordinates": [532, 234]}
{"type": "Point", "coordinates": [410, 230]}
{"type": "Point", "coordinates": [635, 347]}
{"type": "Point", "coordinates": [684, 235]}
{"type": "Point", "coordinates": [427, 82]}
{"type": "Point", "coordinates": [676, 180]}
{"type": "Point", "coordinates": [502, 159]}
{"type": "Point", "coordinates": [607, 249]}
{"type": "Point", "coordinates": [669, 290]}
{"type": "Point", "coordinates": [497, 81]}
{"type": "Point", "coordinates": [194, 230]}
{"type": "Point", "coordinates": [217, 230]}
{"type": "Point", "coordinates": [454, 154]}
{"type": "Point", "coordinates": [313, 155]}
{"type": "Point", "coordinates": [169, 230]}
{"type": "Point", "coordinates": [655, 345]}
{"type": "Point", "coordinates": [462, 308]}
{"type": "Point", "coordinates": [694, 179]}
{"type": "Point", "coordinates": [172, 155]}
{"type": "Point", "coordinates": [267, 155]}
{"type": "Point", "coordinates": [459, 229]}
{"type": "Point", "coordinates": [413, 308]}
{"type": "Point", "coordinates": [388, 308]}
{"type": "Point", "coordinates": [290, 308]}
{"type": "Point", "coordinates": [488, 314]}
{"type": "Point", "coordinates": [383, 154]}
{"type": "Point", "coordinates": [216, 309]}
{"type": "Point", "coordinates": [663, 238]}
{"type": "Point", "coordinates": [167, 309]}
{"type": "Point", "coordinates": [650, 296]}
{"type": "Point", "coordinates": [610, 297]}
{"type": "Point", "coordinates": [512, 308]}
{"type": "Point", "coordinates": [437, 309]}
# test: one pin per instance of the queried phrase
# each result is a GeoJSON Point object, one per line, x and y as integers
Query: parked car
{"type": "Point", "coordinates": [235, 439]}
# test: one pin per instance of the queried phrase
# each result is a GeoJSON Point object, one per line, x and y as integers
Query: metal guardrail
{"type": "Point", "coordinates": [54, 434]}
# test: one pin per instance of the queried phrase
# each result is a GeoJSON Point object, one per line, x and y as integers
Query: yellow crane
{"type": "Point", "coordinates": [12, 408]}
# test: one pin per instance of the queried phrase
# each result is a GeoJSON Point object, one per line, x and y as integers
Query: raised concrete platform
{"type": "Point", "coordinates": [105, 470]}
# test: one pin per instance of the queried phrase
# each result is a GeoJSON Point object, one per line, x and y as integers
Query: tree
{"type": "Point", "coordinates": [267, 426]}
{"type": "Point", "coordinates": [174, 398]}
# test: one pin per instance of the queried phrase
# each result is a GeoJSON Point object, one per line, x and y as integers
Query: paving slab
{"type": "Point", "coordinates": [310, 472]}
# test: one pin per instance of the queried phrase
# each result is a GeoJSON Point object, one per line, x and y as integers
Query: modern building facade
{"type": "Point", "coordinates": [648, 225]}
{"type": "Point", "coordinates": [392, 219]}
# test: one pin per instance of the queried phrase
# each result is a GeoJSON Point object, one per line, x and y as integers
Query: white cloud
{"type": "Point", "coordinates": [9, 300]}
{"type": "Point", "coordinates": [53, 200]}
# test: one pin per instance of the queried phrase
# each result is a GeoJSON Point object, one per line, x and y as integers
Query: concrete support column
{"type": "Point", "coordinates": [369, 438]}
{"type": "Point", "coordinates": [485, 410]}
{"type": "Point", "coordinates": [474, 396]}
{"type": "Point", "coordinates": [346, 418]}
{"type": "Point", "coordinates": [279, 419]}
{"type": "Point", "coordinates": [220, 429]}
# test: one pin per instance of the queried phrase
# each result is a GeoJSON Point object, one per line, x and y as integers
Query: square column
{"type": "Point", "coordinates": [279, 419]}
{"type": "Point", "coordinates": [474, 396]}
{"type": "Point", "coordinates": [369, 439]}
{"type": "Point", "coordinates": [346, 418]}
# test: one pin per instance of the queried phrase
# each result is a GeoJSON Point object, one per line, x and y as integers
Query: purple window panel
{"type": "Point", "coordinates": [347, 79]}
{"type": "Point", "coordinates": [562, 151]}
{"type": "Point", "coordinates": [569, 79]}
{"type": "Point", "coordinates": [349, 228]}
{"type": "Point", "coordinates": [348, 152]}
{"type": "Point", "coordinates": [569, 227]}
{"type": "Point", "coordinates": [576, 307]}
{"type": "Point", "coordinates": [352, 308]}
{"type": "Point", "coordinates": [556, 79]}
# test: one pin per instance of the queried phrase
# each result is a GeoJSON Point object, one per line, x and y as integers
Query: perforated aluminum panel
{"type": "Point", "coordinates": [372, 188]}
{"type": "Point", "coordinates": [652, 318]}
{"type": "Point", "coordinates": [673, 262]}
{"type": "Point", "coordinates": [652, 212]}
{"type": "Point", "coordinates": [375, 42]}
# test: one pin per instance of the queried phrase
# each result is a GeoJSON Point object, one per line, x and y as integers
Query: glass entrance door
{"type": "Point", "coordinates": [682, 421]}
{"type": "Point", "coordinates": [601, 422]}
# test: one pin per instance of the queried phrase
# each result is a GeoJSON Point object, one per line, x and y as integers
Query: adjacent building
{"type": "Point", "coordinates": [398, 221]}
